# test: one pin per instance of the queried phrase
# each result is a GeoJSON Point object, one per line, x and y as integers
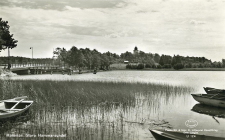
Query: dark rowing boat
{"type": "Point", "coordinates": [167, 135]}
{"type": "Point", "coordinates": [210, 99]}
{"type": "Point", "coordinates": [210, 90]}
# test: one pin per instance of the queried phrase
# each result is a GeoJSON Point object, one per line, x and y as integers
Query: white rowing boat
{"type": "Point", "coordinates": [14, 107]}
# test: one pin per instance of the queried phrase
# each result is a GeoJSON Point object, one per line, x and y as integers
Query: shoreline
{"type": "Point", "coordinates": [185, 69]}
{"type": "Point", "coordinates": [7, 73]}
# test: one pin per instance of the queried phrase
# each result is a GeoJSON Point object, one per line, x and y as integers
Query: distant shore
{"type": "Point", "coordinates": [184, 69]}
{"type": "Point", "coordinates": [8, 73]}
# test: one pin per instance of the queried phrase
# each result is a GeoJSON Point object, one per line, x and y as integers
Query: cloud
{"type": "Point", "coordinates": [196, 22]}
{"type": "Point", "coordinates": [59, 5]}
{"type": "Point", "coordinates": [161, 25]}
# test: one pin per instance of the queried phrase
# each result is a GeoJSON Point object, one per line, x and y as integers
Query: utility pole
{"type": "Point", "coordinates": [32, 51]}
{"type": "Point", "coordinates": [9, 65]}
{"type": "Point", "coordinates": [32, 54]}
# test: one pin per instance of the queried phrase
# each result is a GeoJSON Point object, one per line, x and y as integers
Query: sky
{"type": "Point", "coordinates": [171, 27]}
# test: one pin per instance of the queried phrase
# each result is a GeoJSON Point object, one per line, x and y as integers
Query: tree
{"type": "Point", "coordinates": [176, 60]}
{"type": "Point", "coordinates": [61, 54]}
{"type": "Point", "coordinates": [161, 61]}
{"type": "Point", "coordinates": [223, 62]}
{"type": "Point", "coordinates": [127, 56]}
{"type": "Point", "coordinates": [72, 56]}
{"type": "Point", "coordinates": [96, 61]}
{"type": "Point", "coordinates": [156, 58]}
{"type": "Point", "coordinates": [88, 57]}
{"type": "Point", "coordinates": [80, 59]}
{"type": "Point", "coordinates": [105, 61]}
{"type": "Point", "coordinates": [6, 39]}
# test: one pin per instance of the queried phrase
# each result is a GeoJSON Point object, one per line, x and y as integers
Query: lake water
{"type": "Point", "coordinates": [196, 79]}
{"type": "Point", "coordinates": [175, 110]}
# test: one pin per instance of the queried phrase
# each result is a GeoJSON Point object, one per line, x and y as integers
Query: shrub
{"type": "Point", "coordinates": [147, 66]}
{"type": "Point", "coordinates": [128, 66]}
{"type": "Point", "coordinates": [159, 67]}
{"type": "Point", "coordinates": [140, 66]}
{"type": "Point", "coordinates": [178, 66]}
{"type": "Point", "coordinates": [131, 66]}
{"type": "Point", "coordinates": [153, 66]}
{"type": "Point", "coordinates": [167, 66]}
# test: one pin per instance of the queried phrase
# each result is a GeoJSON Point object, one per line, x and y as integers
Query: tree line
{"type": "Point", "coordinates": [85, 58]}
{"type": "Point", "coordinates": [149, 60]}
{"type": "Point", "coordinates": [93, 59]}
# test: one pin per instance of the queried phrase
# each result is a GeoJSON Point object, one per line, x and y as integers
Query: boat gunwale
{"type": "Point", "coordinates": [167, 135]}
{"type": "Point", "coordinates": [210, 96]}
{"type": "Point", "coordinates": [15, 110]}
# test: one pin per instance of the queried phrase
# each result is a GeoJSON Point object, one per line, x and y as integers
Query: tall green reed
{"type": "Point", "coordinates": [88, 110]}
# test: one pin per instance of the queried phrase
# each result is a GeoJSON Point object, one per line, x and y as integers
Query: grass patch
{"type": "Point", "coordinates": [85, 109]}
{"type": "Point", "coordinates": [82, 93]}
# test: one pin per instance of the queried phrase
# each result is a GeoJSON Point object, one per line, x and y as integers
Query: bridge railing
{"type": "Point", "coordinates": [27, 65]}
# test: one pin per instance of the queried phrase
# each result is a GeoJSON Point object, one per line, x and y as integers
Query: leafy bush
{"type": "Point", "coordinates": [178, 66]}
{"type": "Point", "coordinates": [140, 66]}
{"type": "Point", "coordinates": [159, 67]}
{"type": "Point", "coordinates": [148, 66]}
{"type": "Point", "coordinates": [153, 66]}
{"type": "Point", "coordinates": [128, 66]}
{"type": "Point", "coordinates": [167, 66]}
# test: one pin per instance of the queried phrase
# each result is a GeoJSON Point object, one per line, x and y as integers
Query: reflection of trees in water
{"type": "Point", "coordinates": [6, 125]}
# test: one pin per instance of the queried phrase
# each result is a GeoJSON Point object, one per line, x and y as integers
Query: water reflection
{"type": "Point", "coordinates": [159, 106]}
{"type": "Point", "coordinates": [107, 120]}
{"type": "Point", "coordinates": [209, 110]}
{"type": "Point", "coordinates": [7, 124]}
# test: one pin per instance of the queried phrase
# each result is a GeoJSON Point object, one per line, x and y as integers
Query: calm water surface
{"type": "Point", "coordinates": [196, 79]}
{"type": "Point", "coordinates": [174, 109]}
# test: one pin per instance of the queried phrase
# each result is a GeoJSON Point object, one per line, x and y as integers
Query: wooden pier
{"type": "Point", "coordinates": [40, 70]}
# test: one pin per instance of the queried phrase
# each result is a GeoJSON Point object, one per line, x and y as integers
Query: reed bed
{"type": "Point", "coordinates": [86, 110]}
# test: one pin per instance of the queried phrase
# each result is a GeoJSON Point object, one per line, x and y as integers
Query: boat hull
{"type": "Point", "coordinates": [8, 113]}
{"type": "Point", "coordinates": [210, 90]}
{"type": "Point", "coordinates": [207, 100]}
{"type": "Point", "coordinates": [158, 135]}
{"type": "Point", "coordinates": [166, 135]}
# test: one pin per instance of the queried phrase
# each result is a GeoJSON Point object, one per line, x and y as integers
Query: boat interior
{"type": "Point", "coordinates": [14, 105]}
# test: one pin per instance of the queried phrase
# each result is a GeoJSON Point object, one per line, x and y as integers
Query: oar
{"type": "Point", "coordinates": [16, 104]}
{"type": "Point", "coordinates": [214, 95]}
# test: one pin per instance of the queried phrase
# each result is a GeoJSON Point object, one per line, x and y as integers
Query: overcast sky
{"type": "Point", "coordinates": [184, 27]}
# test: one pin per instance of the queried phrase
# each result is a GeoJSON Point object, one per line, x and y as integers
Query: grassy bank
{"type": "Point", "coordinates": [6, 72]}
{"type": "Point", "coordinates": [81, 93]}
{"type": "Point", "coordinates": [87, 110]}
